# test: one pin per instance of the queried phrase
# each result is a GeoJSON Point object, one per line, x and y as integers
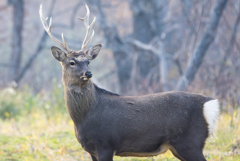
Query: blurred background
{"type": "Point", "coordinates": [149, 46]}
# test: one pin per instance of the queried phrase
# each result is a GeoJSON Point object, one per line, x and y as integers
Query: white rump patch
{"type": "Point", "coordinates": [211, 113]}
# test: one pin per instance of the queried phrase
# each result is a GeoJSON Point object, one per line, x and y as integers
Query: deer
{"type": "Point", "coordinates": [108, 124]}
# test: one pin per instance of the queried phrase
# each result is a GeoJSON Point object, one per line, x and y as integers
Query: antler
{"type": "Point", "coordinates": [88, 28]}
{"type": "Point", "coordinates": [48, 30]}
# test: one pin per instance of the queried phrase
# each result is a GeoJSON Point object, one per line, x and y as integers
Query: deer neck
{"type": "Point", "coordinates": [79, 100]}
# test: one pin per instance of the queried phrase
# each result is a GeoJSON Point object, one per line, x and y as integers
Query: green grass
{"type": "Point", "coordinates": [27, 132]}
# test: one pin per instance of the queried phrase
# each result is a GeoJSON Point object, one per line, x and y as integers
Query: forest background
{"type": "Point", "coordinates": [149, 46]}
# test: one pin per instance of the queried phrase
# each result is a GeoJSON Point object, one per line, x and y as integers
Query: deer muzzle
{"type": "Point", "coordinates": [88, 74]}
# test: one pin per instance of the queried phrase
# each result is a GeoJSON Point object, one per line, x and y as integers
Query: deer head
{"type": "Point", "coordinates": [74, 63]}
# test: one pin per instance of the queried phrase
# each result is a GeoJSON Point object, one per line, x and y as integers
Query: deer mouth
{"type": "Point", "coordinates": [86, 76]}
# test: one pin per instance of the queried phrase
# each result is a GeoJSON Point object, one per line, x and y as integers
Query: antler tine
{"type": "Point", "coordinates": [48, 30]}
{"type": "Point", "coordinates": [88, 28]}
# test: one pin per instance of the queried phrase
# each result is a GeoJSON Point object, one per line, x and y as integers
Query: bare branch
{"type": "Point", "coordinates": [199, 25]}
{"type": "Point", "coordinates": [177, 62]}
{"type": "Point", "coordinates": [149, 47]}
{"type": "Point", "coordinates": [229, 46]}
{"type": "Point", "coordinates": [120, 50]}
{"type": "Point", "coordinates": [160, 52]}
{"type": "Point", "coordinates": [185, 12]}
{"type": "Point", "coordinates": [143, 46]}
{"type": "Point", "coordinates": [230, 28]}
{"type": "Point", "coordinates": [164, 69]}
{"type": "Point", "coordinates": [196, 60]}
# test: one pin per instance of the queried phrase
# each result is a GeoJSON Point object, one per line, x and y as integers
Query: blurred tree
{"type": "Point", "coordinates": [196, 60]}
{"type": "Point", "coordinates": [43, 39]}
{"type": "Point", "coordinates": [180, 26]}
{"type": "Point", "coordinates": [121, 54]}
{"type": "Point", "coordinates": [222, 77]}
{"type": "Point", "coordinates": [16, 56]}
{"type": "Point", "coordinates": [39, 48]}
{"type": "Point", "coordinates": [148, 22]}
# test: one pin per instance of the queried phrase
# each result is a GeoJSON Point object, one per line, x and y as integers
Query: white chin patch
{"type": "Point", "coordinates": [85, 79]}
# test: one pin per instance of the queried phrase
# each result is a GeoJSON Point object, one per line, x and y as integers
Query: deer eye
{"type": "Point", "coordinates": [72, 63]}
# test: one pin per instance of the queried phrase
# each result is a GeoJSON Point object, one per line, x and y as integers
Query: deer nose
{"type": "Point", "coordinates": [88, 74]}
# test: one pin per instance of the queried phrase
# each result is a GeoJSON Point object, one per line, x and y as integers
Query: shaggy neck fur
{"type": "Point", "coordinates": [79, 100]}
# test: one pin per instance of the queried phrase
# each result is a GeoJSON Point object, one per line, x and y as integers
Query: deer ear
{"type": "Point", "coordinates": [93, 52]}
{"type": "Point", "coordinates": [58, 53]}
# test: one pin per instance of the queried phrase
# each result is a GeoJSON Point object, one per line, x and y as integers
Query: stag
{"type": "Point", "coordinates": [108, 124]}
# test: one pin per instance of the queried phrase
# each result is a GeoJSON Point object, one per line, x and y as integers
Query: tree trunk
{"type": "Point", "coordinates": [208, 37]}
{"type": "Point", "coordinates": [164, 70]}
{"type": "Point", "coordinates": [119, 48]}
{"type": "Point", "coordinates": [16, 55]}
{"type": "Point", "coordinates": [222, 77]}
{"type": "Point", "coordinates": [148, 22]}
{"type": "Point", "coordinates": [230, 43]}
{"type": "Point", "coordinates": [41, 44]}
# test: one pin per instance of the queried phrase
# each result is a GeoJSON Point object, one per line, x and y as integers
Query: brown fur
{"type": "Point", "coordinates": [79, 99]}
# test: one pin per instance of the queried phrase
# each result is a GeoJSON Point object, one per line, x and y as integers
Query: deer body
{"type": "Point", "coordinates": [107, 124]}
{"type": "Point", "coordinates": [140, 126]}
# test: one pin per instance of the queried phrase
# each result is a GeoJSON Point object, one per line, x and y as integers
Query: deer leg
{"type": "Point", "coordinates": [93, 158]}
{"type": "Point", "coordinates": [189, 149]}
{"type": "Point", "coordinates": [174, 152]}
{"type": "Point", "coordinates": [189, 154]}
{"type": "Point", "coordinates": [105, 154]}
{"type": "Point", "coordinates": [189, 145]}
